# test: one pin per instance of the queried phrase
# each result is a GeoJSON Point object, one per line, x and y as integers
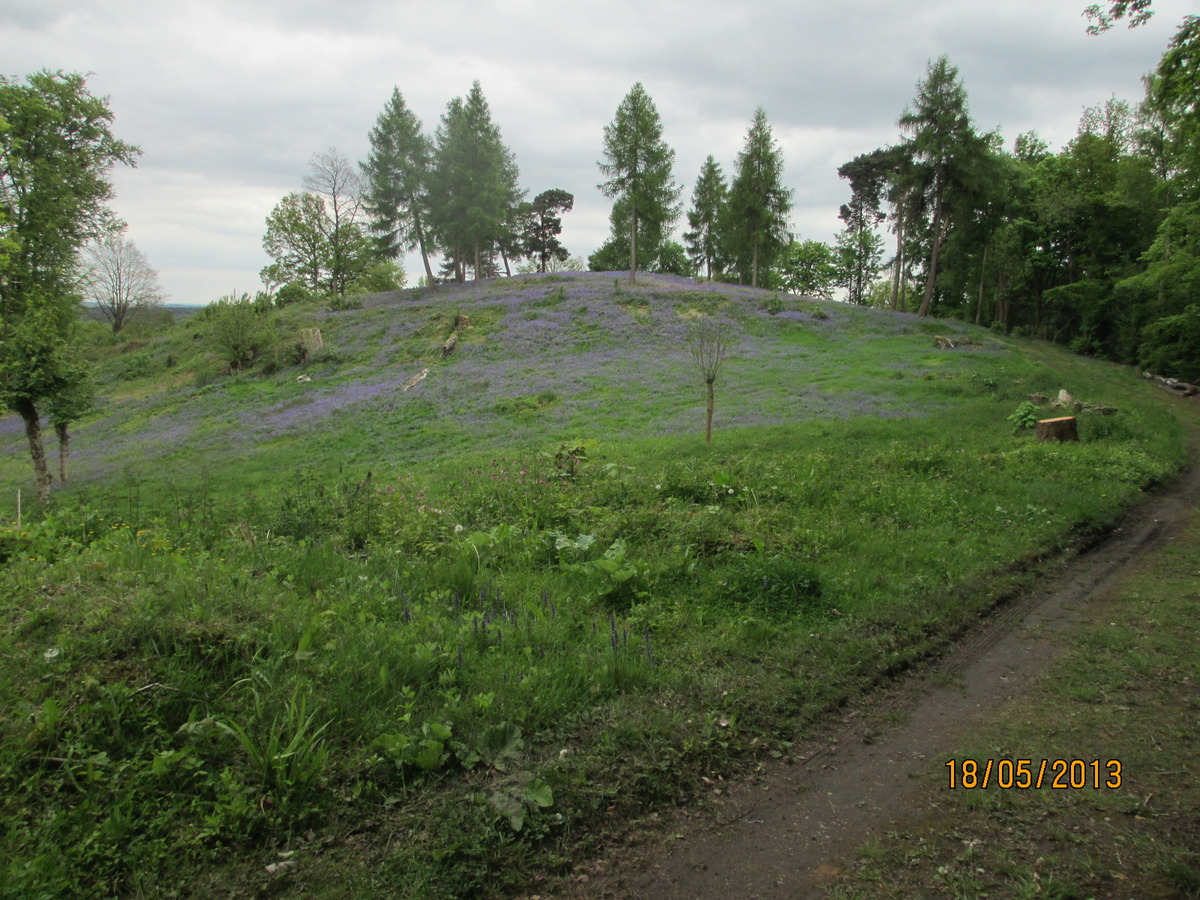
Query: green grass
{"type": "Point", "coordinates": [1126, 691]}
{"type": "Point", "coordinates": [518, 594]}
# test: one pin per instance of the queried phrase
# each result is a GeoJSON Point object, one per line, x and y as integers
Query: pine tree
{"type": "Point", "coordinates": [757, 210]}
{"type": "Point", "coordinates": [704, 218]}
{"type": "Point", "coordinates": [639, 170]}
{"type": "Point", "coordinates": [397, 172]}
{"type": "Point", "coordinates": [942, 146]}
{"type": "Point", "coordinates": [475, 188]}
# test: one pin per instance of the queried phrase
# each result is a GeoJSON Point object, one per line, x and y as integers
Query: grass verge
{"type": "Point", "coordinates": [1128, 689]}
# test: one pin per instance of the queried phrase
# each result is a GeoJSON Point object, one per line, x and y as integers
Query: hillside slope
{"type": "Point", "coordinates": [430, 637]}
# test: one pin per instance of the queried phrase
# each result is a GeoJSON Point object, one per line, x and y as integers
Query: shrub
{"type": "Point", "coordinates": [239, 330]}
{"type": "Point", "coordinates": [1025, 416]}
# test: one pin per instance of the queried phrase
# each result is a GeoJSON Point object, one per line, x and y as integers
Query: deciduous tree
{"type": "Point", "coordinates": [316, 236]}
{"type": "Point", "coordinates": [809, 268]}
{"type": "Point", "coordinates": [638, 165]}
{"type": "Point", "coordinates": [56, 151]}
{"type": "Point", "coordinates": [710, 342]}
{"type": "Point", "coordinates": [117, 278]}
{"type": "Point", "coordinates": [1102, 19]}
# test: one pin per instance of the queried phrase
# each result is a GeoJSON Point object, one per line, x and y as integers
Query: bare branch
{"type": "Point", "coordinates": [117, 278]}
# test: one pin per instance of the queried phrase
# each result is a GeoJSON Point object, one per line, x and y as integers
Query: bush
{"type": "Point", "coordinates": [292, 292]}
{"type": "Point", "coordinates": [239, 330]}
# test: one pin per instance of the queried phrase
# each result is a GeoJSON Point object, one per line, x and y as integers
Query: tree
{"type": "Point", "coordinates": [56, 151]}
{"type": "Point", "coordinates": [710, 343]}
{"type": "Point", "coordinates": [118, 279]}
{"type": "Point", "coordinates": [639, 170]}
{"type": "Point", "coordinates": [295, 239]}
{"type": "Point", "coordinates": [809, 268]}
{"type": "Point", "coordinates": [475, 191]}
{"type": "Point", "coordinates": [543, 225]}
{"type": "Point", "coordinates": [704, 218]}
{"type": "Point", "coordinates": [1173, 103]}
{"type": "Point", "coordinates": [942, 145]}
{"type": "Point", "coordinates": [859, 257]}
{"type": "Point", "coordinates": [316, 237]}
{"type": "Point", "coordinates": [336, 181]}
{"type": "Point", "coordinates": [397, 172]}
{"type": "Point", "coordinates": [756, 211]}
{"type": "Point", "coordinates": [1102, 19]}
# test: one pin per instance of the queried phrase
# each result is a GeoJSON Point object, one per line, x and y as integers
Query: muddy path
{"type": "Point", "coordinates": [787, 831]}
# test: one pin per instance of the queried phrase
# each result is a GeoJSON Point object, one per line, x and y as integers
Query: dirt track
{"type": "Point", "coordinates": [787, 832]}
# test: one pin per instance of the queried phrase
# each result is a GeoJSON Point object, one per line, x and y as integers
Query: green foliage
{"type": "Point", "coordinates": [808, 268]}
{"type": "Point", "coordinates": [398, 172]}
{"type": "Point", "coordinates": [56, 150]}
{"type": "Point", "coordinates": [542, 227]}
{"type": "Point", "coordinates": [238, 329]}
{"type": "Point", "coordinates": [315, 237]}
{"type": "Point", "coordinates": [1025, 416]}
{"type": "Point", "coordinates": [638, 169]}
{"type": "Point", "coordinates": [501, 639]}
{"type": "Point", "coordinates": [755, 214]}
{"type": "Point", "coordinates": [703, 241]}
{"type": "Point", "coordinates": [383, 277]}
{"type": "Point", "coordinates": [475, 182]}
{"type": "Point", "coordinates": [774, 586]}
{"type": "Point", "coordinates": [284, 746]}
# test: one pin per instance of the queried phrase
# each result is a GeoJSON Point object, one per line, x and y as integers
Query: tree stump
{"type": "Point", "coordinates": [1061, 429]}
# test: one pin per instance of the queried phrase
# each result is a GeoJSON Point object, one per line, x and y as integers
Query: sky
{"type": "Point", "coordinates": [230, 99]}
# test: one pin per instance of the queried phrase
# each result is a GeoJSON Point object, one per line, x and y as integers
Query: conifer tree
{"type": "Point", "coordinates": [757, 209]}
{"type": "Point", "coordinates": [397, 174]}
{"type": "Point", "coordinates": [943, 146]}
{"type": "Point", "coordinates": [475, 177]}
{"type": "Point", "coordinates": [639, 170]}
{"type": "Point", "coordinates": [704, 218]}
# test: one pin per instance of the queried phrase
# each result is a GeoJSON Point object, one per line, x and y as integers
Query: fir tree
{"type": "Point", "coordinates": [639, 171]}
{"type": "Point", "coordinates": [757, 210]}
{"type": "Point", "coordinates": [397, 173]}
{"type": "Point", "coordinates": [704, 218]}
{"type": "Point", "coordinates": [475, 183]}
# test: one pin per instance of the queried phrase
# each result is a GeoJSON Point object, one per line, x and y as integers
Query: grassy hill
{"type": "Point", "coordinates": [427, 638]}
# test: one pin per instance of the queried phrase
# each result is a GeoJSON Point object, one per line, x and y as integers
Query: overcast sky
{"type": "Point", "coordinates": [229, 99]}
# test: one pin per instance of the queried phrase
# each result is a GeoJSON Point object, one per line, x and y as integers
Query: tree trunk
{"type": "Point", "coordinates": [478, 259]}
{"type": "Point", "coordinates": [754, 265]}
{"type": "Point", "coordinates": [933, 258]}
{"type": "Point", "coordinates": [64, 450]}
{"type": "Point", "coordinates": [708, 420]}
{"type": "Point", "coordinates": [899, 264]}
{"type": "Point", "coordinates": [1062, 429]}
{"type": "Point", "coordinates": [982, 270]}
{"type": "Point", "coordinates": [633, 248]}
{"type": "Point", "coordinates": [33, 431]}
{"type": "Point", "coordinates": [421, 243]}
{"type": "Point", "coordinates": [507, 270]}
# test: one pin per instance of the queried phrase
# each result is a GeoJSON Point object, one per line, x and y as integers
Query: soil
{"type": "Point", "coordinates": [793, 827]}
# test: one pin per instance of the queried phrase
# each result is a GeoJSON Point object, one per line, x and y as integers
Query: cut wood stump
{"type": "Point", "coordinates": [1061, 429]}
